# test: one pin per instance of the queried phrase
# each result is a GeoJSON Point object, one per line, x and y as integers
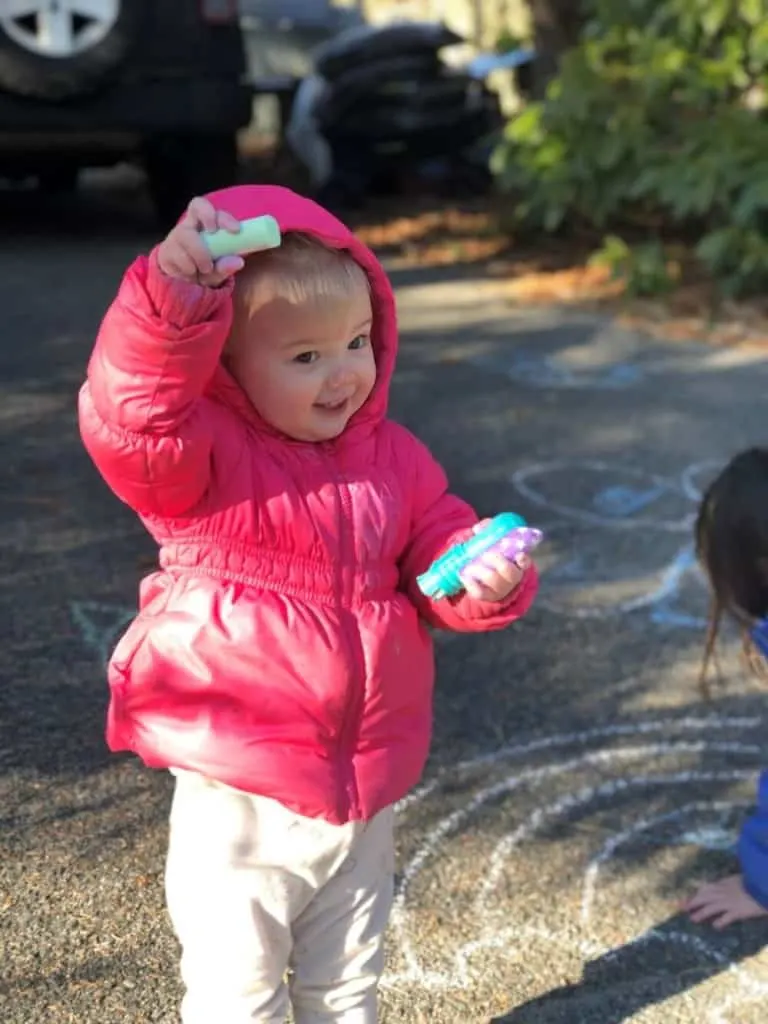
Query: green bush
{"type": "Point", "coordinates": [657, 118]}
{"type": "Point", "coordinates": [645, 269]}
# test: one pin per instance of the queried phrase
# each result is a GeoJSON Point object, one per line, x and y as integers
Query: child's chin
{"type": "Point", "coordinates": [317, 435]}
{"type": "Point", "coordinates": [334, 428]}
{"type": "Point", "coordinates": [331, 433]}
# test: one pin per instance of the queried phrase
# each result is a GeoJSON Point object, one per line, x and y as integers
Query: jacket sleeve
{"type": "Point", "coordinates": [142, 416]}
{"type": "Point", "coordinates": [440, 520]}
{"type": "Point", "coordinates": [753, 847]}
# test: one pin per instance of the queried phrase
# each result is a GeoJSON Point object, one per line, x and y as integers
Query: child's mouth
{"type": "Point", "coordinates": [332, 407]}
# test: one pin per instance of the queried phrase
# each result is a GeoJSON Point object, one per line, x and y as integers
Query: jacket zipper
{"type": "Point", "coordinates": [349, 797]}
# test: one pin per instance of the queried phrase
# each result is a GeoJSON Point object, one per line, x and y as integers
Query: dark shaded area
{"type": "Point", "coordinates": [661, 964]}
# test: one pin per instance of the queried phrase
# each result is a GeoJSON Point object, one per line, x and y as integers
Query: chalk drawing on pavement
{"type": "Point", "coordinates": [595, 786]}
{"type": "Point", "coordinates": [555, 372]}
{"type": "Point", "coordinates": [611, 495]}
{"type": "Point", "coordinates": [606, 360]}
{"type": "Point", "coordinates": [619, 540]}
{"type": "Point", "coordinates": [101, 624]}
{"type": "Point", "coordinates": [694, 478]}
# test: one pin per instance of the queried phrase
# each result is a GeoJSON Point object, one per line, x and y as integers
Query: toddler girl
{"type": "Point", "coordinates": [280, 663]}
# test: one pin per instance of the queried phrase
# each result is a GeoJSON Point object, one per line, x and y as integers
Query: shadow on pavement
{"type": "Point", "coordinates": [668, 960]}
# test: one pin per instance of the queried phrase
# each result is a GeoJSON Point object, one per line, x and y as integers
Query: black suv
{"type": "Point", "coordinates": [96, 82]}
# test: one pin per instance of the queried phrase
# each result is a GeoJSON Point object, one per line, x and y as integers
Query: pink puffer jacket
{"type": "Point", "coordinates": [282, 648]}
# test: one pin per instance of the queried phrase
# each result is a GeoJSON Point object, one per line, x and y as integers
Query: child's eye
{"type": "Point", "coordinates": [359, 342]}
{"type": "Point", "coordinates": [306, 357]}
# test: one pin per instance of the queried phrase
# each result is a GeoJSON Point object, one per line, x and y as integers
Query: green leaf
{"type": "Point", "coordinates": [713, 16]}
{"type": "Point", "coordinates": [758, 47]}
{"type": "Point", "coordinates": [753, 200]}
{"type": "Point", "coordinates": [753, 12]}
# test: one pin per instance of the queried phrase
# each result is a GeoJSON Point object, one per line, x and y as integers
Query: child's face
{"type": "Point", "coordinates": [306, 368]}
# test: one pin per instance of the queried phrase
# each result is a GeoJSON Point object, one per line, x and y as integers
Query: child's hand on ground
{"type": "Point", "coordinates": [494, 577]}
{"type": "Point", "coordinates": [723, 903]}
{"type": "Point", "coordinates": [185, 256]}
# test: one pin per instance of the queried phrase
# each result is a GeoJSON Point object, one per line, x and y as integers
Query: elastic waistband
{"type": "Point", "coordinates": [313, 580]}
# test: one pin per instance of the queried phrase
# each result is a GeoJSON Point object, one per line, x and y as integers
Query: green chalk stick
{"type": "Point", "coordinates": [255, 234]}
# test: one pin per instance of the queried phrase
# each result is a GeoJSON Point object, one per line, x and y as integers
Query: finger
{"type": "Point", "coordinates": [477, 590]}
{"type": "Point", "coordinates": [181, 264]}
{"type": "Point", "coordinates": [201, 214]}
{"type": "Point", "coordinates": [705, 900]}
{"type": "Point", "coordinates": [724, 918]}
{"type": "Point", "coordinates": [699, 899]}
{"type": "Point", "coordinates": [705, 893]}
{"type": "Point", "coordinates": [224, 268]}
{"type": "Point", "coordinates": [472, 586]}
{"type": "Point", "coordinates": [502, 582]}
{"type": "Point", "coordinates": [486, 574]}
{"type": "Point", "coordinates": [191, 216]}
{"type": "Point", "coordinates": [704, 913]}
{"type": "Point", "coordinates": [492, 589]}
{"type": "Point", "coordinates": [480, 525]}
{"type": "Point", "coordinates": [690, 906]}
{"type": "Point", "coordinates": [229, 265]}
{"type": "Point", "coordinates": [505, 567]}
{"type": "Point", "coordinates": [228, 222]}
{"type": "Point", "coordinates": [198, 252]}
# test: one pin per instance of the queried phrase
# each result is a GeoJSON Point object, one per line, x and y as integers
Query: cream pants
{"type": "Point", "coordinates": [271, 907]}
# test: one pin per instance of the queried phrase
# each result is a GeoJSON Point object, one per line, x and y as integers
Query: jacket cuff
{"type": "Point", "coordinates": [182, 303]}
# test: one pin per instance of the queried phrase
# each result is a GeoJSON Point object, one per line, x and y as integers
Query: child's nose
{"type": "Point", "coordinates": [341, 376]}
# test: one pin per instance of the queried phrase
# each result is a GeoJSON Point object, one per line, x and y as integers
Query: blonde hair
{"type": "Point", "coordinates": [300, 271]}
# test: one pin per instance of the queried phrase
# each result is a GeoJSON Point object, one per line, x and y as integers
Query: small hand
{"type": "Point", "coordinates": [185, 256]}
{"type": "Point", "coordinates": [722, 903]}
{"type": "Point", "coordinates": [493, 577]}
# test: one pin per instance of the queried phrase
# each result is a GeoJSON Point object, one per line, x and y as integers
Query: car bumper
{"type": "Point", "coordinates": [131, 110]}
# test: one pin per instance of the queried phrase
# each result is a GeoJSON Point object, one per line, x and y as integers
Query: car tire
{"type": "Point", "coordinates": [29, 69]}
{"type": "Point", "coordinates": [179, 167]}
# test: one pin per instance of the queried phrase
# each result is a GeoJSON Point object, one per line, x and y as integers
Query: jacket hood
{"type": "Point", "coordinates": [297, 213]}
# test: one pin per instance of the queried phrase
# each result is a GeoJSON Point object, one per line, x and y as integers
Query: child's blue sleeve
{"type": "Point", "coordinates": [753, 847]}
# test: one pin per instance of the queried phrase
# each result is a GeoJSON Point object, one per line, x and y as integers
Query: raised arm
{"type": "Point", "coordinates": [143, 417]}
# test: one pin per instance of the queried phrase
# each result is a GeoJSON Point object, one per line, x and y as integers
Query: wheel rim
{"type": "Point", "coordinates": [58, 28]}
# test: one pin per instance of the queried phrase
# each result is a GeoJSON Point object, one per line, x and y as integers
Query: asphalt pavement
{"type": "Point", "coordinates": [579, 785]}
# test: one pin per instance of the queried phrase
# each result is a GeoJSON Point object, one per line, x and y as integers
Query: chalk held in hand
{"type": "Point", "coordinates": [507, 533]}
{"type": "Point", "coordinates": [255, 234]}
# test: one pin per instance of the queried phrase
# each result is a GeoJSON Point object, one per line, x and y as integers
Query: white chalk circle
{"type": "Point", "coordinates": [459, 916]}
{"type": "Point", "coordinates": [701, 838]}
{"type": "Point", "coordinates": [600, 494]}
